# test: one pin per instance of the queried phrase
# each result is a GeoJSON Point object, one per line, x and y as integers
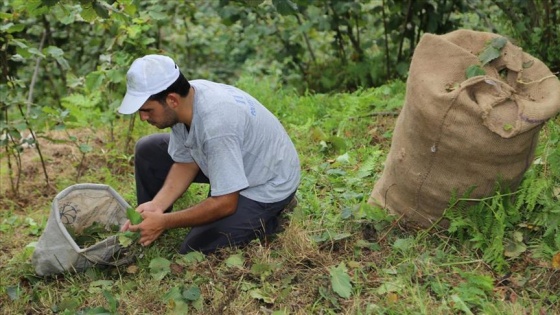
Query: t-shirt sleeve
{"type": "Point", "coordinates": [225, 165]}
{"type": "Point", "coordinates": [177, 149]}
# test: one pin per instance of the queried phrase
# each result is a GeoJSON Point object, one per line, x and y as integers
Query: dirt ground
{"type": "Point", "coordinates": [31, 178]}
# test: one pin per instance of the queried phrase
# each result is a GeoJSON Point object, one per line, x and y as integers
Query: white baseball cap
{"type": "Point", "coordinates": [147, 76]}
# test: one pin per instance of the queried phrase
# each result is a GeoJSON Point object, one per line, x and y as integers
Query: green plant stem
{"type": "Point", "coordinates": [484, 199]}
{"type": "Point", "coordinates": [307, 43]}
{"type": "Point", "coordinates": [28, 125]}
{"type": "Point", "coordinates": [461, 263]}
{"type": "Point", "coordinates": [35, 73]}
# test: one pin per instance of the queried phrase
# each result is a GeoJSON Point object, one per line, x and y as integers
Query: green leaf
{"type": "Point", "coordinates": [387, 287]}
{"type": "Point", "coordinates": [77, 100]}
{"type": "Point", "coordinates": [70, 303]}
{"type": "Point", "coordinates": [14, 292]}
{"type": "Point", "coordinates": [115, 76]}
{"type": "Point", "coordinates": [235, 261]}
{"type": "Point", "coordinates": [133, 31]}
{"type": "Point", "coordinates": [129, 8]}
{"type": "Point", "coordinates": [174, 294]}
{"type": "Point", "coordinates": [514, 247]}
{"type": "Point", "coordinates": [113, 303]}
{"type": "Point", "coordinates": [85, 148]}
{"type": "Point", "coordinates": [176, 301]}
{"type": "Point", "coordinates": [157, 15]}
{"type": "Point", "coordinates": [12, 28]}
{"type": "Point", "coordinates": [338, 143]}
{"type": "Point", "coordinates": [159, 268]}
{"type": "Point", "coordinates": [473, 71]}
{"type": "Point", "coordinates": [261, 269]}
{"type": "Point", "coordinates": [49, 3]}
{"type": "Point", "coordinates": [489, 54]}
{"type": "Point", "coordinates": [53, 51]}
{"type": "Point", "coordinates": [403, 244]}
{"type": "Point", "coordinates": [192, 257]}
{"type": "Point", "coordinates": [64, 13]}
{"type": "Point", "coordinates": [192, 293]}
{"type": "Point", "coordinates": [62, 62]}
{"type": "Point", "coordinates": [127, 238]}
{"type": "Point", "coordinates": [344, 158]}
{"type": "Point", "coordinates": [285, 7]}
{"type": "Point", "coordinates": [260, 295]}
{"type": "Point", "coordinates": [100, 10]}
{"type": "Point", "coordinates": [134, 216]}
{"type": "Point", "coordinates": [498, 42]}
{"type": "Point", "coordinates": [94, 80]}
{"type": "Point", "coordinates": [99, 310]}
{"type": "Point", "coordinates": [15, 134]}
{"type": "Point", "coordinates": [340, 281]}
{"type": "Point", "coordinates": [88, 13]}
{"type": "Point", "coordinates": [36, 7]}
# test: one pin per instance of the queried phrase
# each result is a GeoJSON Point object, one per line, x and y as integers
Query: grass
{"type": "Point", "coordinates": [338, 255]}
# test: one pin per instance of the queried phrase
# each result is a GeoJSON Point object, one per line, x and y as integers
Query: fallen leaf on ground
{"type": "Point", "coordinates": [132, 269]}
{"type": "Point", "coordinates": [556, 261]}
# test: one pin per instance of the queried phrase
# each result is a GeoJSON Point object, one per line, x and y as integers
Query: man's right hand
{"type": "Point", "coordinates": [149, 206]}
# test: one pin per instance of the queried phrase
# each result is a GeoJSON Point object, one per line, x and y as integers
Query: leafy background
{"type": "Point", "coordinates": [334, 72]}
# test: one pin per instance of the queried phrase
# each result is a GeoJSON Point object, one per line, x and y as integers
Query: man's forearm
{"type": "Point", "coordinates": [178, 179]}
{"type": "Point", "coordinates": [209, 210]}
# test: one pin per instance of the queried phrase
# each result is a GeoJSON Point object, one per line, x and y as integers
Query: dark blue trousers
{"type": "Point", "coordinates": [252, 219]}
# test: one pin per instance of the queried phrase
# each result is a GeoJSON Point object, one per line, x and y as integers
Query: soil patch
{"type": "Point", "coordinates": [29, 181]}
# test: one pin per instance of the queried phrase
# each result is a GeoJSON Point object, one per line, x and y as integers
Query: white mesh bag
{"type": "Point", "coordinates": [77, 208]}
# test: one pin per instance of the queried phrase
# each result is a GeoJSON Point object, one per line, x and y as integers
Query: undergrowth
{"type": "Point", "coordinates": [337, 255]}
{"type": "Point", "coordinates": [511, 225]}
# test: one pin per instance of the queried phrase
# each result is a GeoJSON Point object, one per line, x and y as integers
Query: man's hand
{"type": "Point", "coordinates": [149, 206]}
{"type": "Point", "coordinates": [151, 227]}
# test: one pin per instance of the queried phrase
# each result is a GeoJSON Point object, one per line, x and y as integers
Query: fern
{"type": "Point", "coordinates": [531, 189]}
{"type": "Point", "coordinates": [533, 211]}
{"type": "Point", "coordinates": [484, 226]}
{"type": "Point", "coordinates": [474, 289]}
{"type": "Point", "coordinates": [369, 165]}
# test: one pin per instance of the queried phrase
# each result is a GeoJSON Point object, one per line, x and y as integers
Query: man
{"type": "Point", "coordinates": [219, 135]}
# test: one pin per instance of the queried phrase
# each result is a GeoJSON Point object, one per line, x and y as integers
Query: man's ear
{"type": "Point", "coordinates": [172, 100]}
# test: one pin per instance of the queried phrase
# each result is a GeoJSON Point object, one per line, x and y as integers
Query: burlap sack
{"type": "Point", "coordinates": [454, 133]}
{"type": "Point", "coordinates": [78, 207]}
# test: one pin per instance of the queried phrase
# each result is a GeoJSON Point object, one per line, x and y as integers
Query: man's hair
{"type": "Point", "coordinates": [181, 86]}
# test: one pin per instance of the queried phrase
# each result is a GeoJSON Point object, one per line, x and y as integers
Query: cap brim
{"type": "Point", "coordinates": [132, 103]}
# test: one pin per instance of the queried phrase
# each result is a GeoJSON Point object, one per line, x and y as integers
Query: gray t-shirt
{"type": "Point", "coordinates": [237, 143]}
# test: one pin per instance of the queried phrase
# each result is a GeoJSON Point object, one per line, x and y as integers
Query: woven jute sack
{"type": "Point", "coordinates": [455, 134]}
{"type": "Point", "coordinates": [74, 209]}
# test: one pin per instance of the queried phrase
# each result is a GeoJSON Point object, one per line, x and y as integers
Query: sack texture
{"type": "Point", "coordinates": [78, 207]}
{"type": "Point", "coordinates": [455, 133]}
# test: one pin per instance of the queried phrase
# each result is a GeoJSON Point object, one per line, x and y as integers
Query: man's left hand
{"type": "Point", "coordinates": [151, 227]}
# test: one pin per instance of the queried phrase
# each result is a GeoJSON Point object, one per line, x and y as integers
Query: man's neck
{"type": "Point", "coordinates": [186, 108]}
